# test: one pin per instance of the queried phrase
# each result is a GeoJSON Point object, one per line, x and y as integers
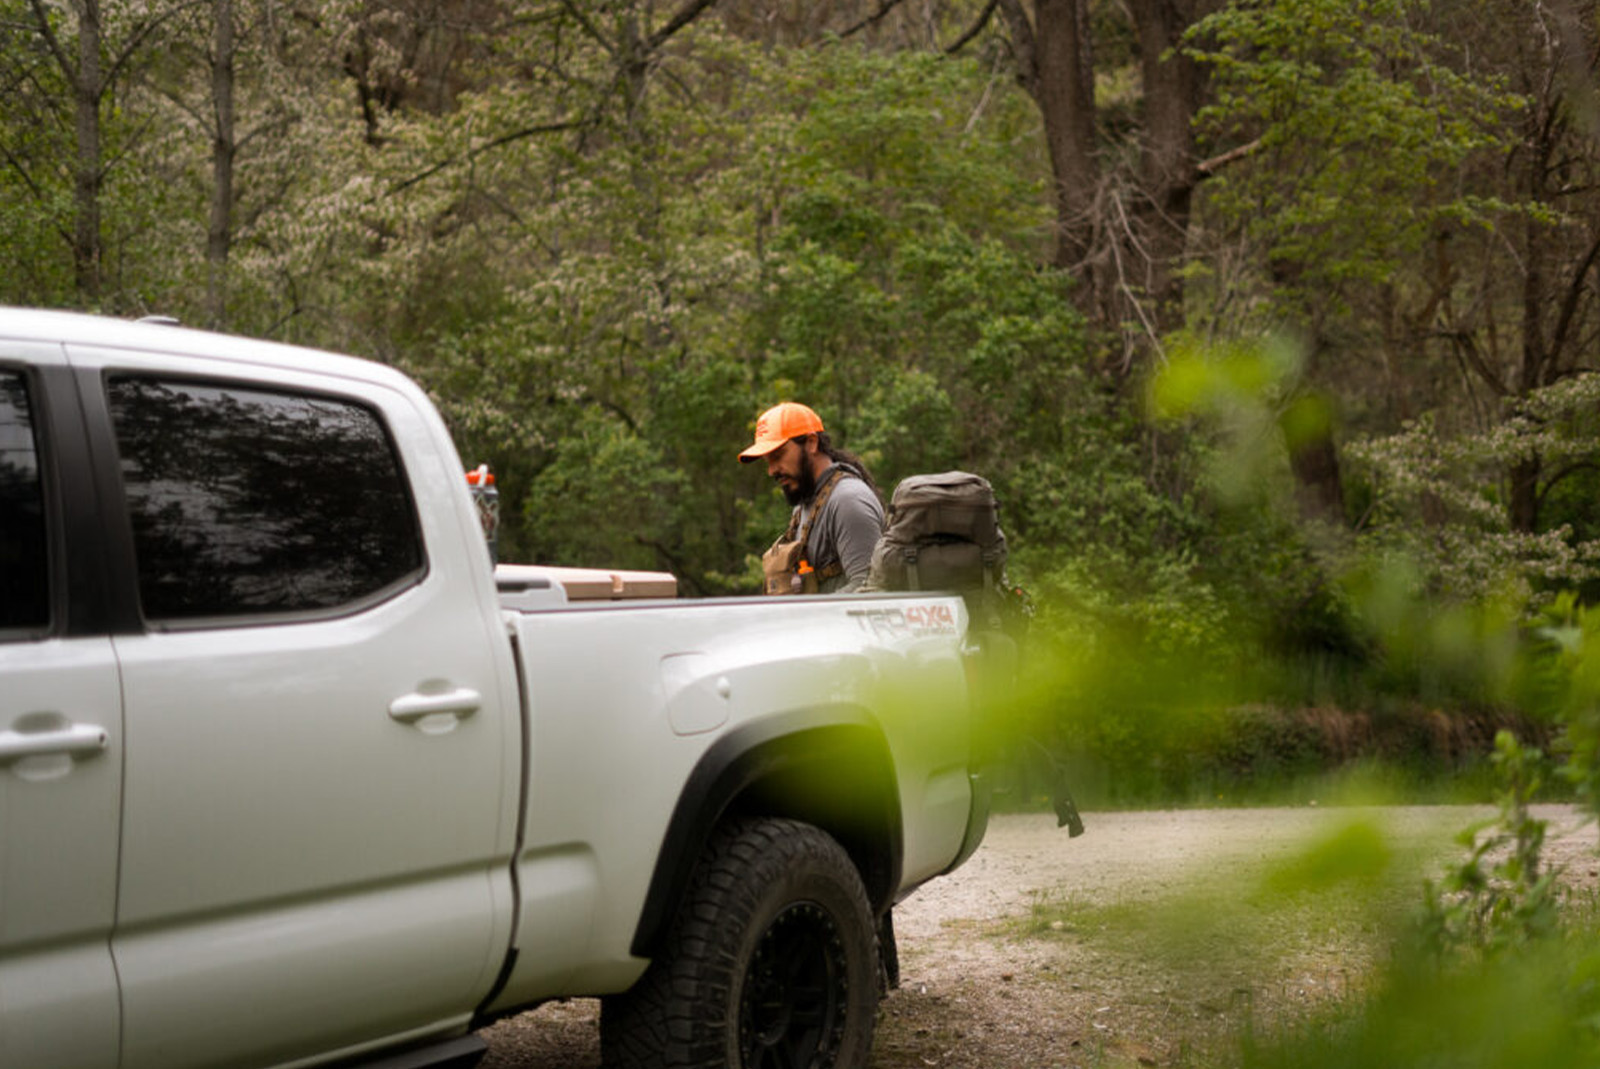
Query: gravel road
{"type": "Point", "coordinates": [976, 994]}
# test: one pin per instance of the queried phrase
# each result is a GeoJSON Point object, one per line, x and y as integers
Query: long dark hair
{"type": "Point", "coordinates": [843, 456]}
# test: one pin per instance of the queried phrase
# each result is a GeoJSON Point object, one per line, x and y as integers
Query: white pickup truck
{"type": "Point", "coordinates": [287, 779]}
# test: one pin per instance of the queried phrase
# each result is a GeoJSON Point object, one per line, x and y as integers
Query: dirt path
{"type": "Point", "coordinates": [976, 993]}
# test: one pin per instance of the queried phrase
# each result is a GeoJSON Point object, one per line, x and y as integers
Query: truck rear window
{"type": "Point", "coordinates": [247, 501]}
{"type": "Point", "coordinates": [24, 572]}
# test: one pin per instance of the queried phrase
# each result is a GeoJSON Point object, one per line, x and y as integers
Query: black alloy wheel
{"type": "Point", "coordinates": [771, 963]}
{"type": "Point", "coordinates": [792, 1011]}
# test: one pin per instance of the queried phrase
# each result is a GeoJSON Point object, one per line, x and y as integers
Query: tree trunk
{"type": "Point", "coordinates": [1319, 489]}
{"type": "Point", "coordinates": [1065, 95]}
{"type": "Point", "coordinates": [219, 236]}
{"type": "Point", "coordinates": [1173, 87]}
{"type": "Point", "coordinates": [87, 89]}
{"type": "Point", "coordinates": [1523, 507]}
{"type": "Point", "coordinates": [1124, 247]}
{"type": "Point", "coordinates": [1055, 65]}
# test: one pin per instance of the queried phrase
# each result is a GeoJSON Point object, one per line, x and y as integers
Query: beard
{"type": "Point", "coordinates": [804, 486]}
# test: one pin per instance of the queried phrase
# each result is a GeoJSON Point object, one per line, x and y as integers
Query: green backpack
{"type": "Point", "coordinates": [943, 533]}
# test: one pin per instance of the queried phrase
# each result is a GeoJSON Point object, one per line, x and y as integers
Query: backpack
{"type": "Point", "coordinates": [943, 533]}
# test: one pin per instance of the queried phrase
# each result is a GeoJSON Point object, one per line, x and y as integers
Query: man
{"type": "Point", "coordinates": [837, 516]}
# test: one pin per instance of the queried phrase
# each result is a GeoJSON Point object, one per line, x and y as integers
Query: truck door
{"type": "Point", "coordinates": [60, 746]}
{"type": "Point", "coordinates": [320, 789]}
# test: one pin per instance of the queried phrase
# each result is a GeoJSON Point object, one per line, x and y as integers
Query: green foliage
{"type": "Point", "coordinates": [1561, 676]}
{"type": "Point", "coordinates": [1332, 97]}
{"type": "Point", "coordinates": [1500, 970]}
{"type": "Point", "coordinates": [1501, 896]}
{"type": "Point", "coordinates": [1438, 498]}
{"type": "Point", "coordinates": [1235, 393]}
{"type": "Point", "coordinates": [602, 269]}
{"type": "Point", "coordinates": [1255, 652]}
{"type": "Point", "coordinates": [1305, 952]}
{"type": "Point", "coordinates": [707, 264]}
{"type": "Point", "coordinates": [1249, 920]}
{"type": "Point", "coordinates": [1526, 1008]}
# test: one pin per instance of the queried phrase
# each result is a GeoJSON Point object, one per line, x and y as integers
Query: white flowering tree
{"type": "Point", "coordinates": [1441, 498]}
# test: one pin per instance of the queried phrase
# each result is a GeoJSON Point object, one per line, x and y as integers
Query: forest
{"type": "Point", "coordinates": [1274, 323]}
{"type": "Point", "coordinates": [1271, 321]}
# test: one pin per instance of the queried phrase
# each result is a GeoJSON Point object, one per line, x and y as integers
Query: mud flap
{"type": "Point", "coordinates": [888, 954]}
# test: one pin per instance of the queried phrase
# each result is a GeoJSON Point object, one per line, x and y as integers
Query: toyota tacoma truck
{"type": "Point", "coordinates": [291, 774]}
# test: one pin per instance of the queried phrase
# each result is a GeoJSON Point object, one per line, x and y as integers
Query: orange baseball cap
{"type": "Point", "coordinates": [777, 425]}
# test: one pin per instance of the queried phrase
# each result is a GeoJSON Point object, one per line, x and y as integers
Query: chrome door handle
{"type": "Point", "coordinates": [459, 703]}
{"type": "Point", "coordinates": [75, 739]}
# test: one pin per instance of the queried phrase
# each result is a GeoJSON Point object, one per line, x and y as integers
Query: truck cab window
{"type": "Point", "coordinates": [247, 502]}
{"type": "Point", "coordinates": [24, 572]}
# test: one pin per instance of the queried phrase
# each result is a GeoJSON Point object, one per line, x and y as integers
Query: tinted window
{"type": "Point", "coordinates": [245, 501]}
{"type": "Point", "coordinates": [24, 571]}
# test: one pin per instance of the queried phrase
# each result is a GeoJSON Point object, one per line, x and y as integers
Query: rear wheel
{"type": "Point", "coordinates": [771, 963]}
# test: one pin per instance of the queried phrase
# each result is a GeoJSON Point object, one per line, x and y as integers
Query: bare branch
{"type": "Point", "coordinates": [21, 170]}
{"type": "Point", "coordinates": [691, 10]}
{"type": "Point", "coordinates": [1022, 44]}
{"type": "Point", "coordinates": [474, 153]}
{"type": "Point", "coordinates": [142, 127]}
{"type": "Point", "coordinates": [884, 7]}
{"type": "Point", "coordinates": [1466, 349]}
{"type": "Point", "coordinates": [1569, 304]}
{"type": "Point", "coordinates": [1570, 469]}
{"type": "Point", "coordinates": [978, 109]}
{"type": "Point", "coordinates": [143, 31]}
{"type": "Point", "coordinates": [1133, 300]}
{"type": "Point", "coordinates": [54, 42]}
{"type": "Point", "coordinates": [504, 206]}
{"type": "Point", "coordinates": [173, 97]}
{"type": "Point", "coordinates": [1209, 168]}
{"type": "Point", "coordinates": [590, 28]}
{"type": "Point", "coordinates": [27, 178]}
{"type": "Point", "coordinates": [976, 28]}
{"type": "Point", "coordinates": [277, 124]}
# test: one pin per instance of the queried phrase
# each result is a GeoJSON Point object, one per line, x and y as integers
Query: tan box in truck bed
{"type": "Point", "coordinates": [588, 584]}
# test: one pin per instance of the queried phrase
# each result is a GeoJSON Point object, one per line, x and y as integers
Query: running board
{"type": "Point", "coordinates": [462, 1052]}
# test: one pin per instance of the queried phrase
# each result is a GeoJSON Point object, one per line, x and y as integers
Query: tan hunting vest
{"type": "Point", "coordinates": [784, 564]}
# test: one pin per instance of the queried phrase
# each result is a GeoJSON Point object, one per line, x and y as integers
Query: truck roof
{"type": "Point", "coordinates": [166, 337]}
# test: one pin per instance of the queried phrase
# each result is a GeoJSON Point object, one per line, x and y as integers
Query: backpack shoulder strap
{"type": "Point", "coordinates": [821, 499]}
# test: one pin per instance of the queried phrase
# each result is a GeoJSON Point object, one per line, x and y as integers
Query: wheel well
{"type": "Point", "coordinates": [845, 787]}
{"type": "Point", "coordinates": [805, 766]}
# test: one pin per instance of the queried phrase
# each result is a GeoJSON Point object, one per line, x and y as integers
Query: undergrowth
{"type": "Point", "coordinates": [1366, 946]}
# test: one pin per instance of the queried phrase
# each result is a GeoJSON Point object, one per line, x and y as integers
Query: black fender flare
{"type": "Point", "coordinates": [834, 741]}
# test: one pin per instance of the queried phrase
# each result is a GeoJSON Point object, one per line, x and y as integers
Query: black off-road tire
{"type": "Point", "coordinates": [771, 962]}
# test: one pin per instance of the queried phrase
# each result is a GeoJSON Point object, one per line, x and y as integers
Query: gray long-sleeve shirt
{"type": "Point", "coordinates": [847, 529]}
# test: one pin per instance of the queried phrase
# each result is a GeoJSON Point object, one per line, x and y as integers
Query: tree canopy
{"type": "Point", "coordinates": [606, 233]}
